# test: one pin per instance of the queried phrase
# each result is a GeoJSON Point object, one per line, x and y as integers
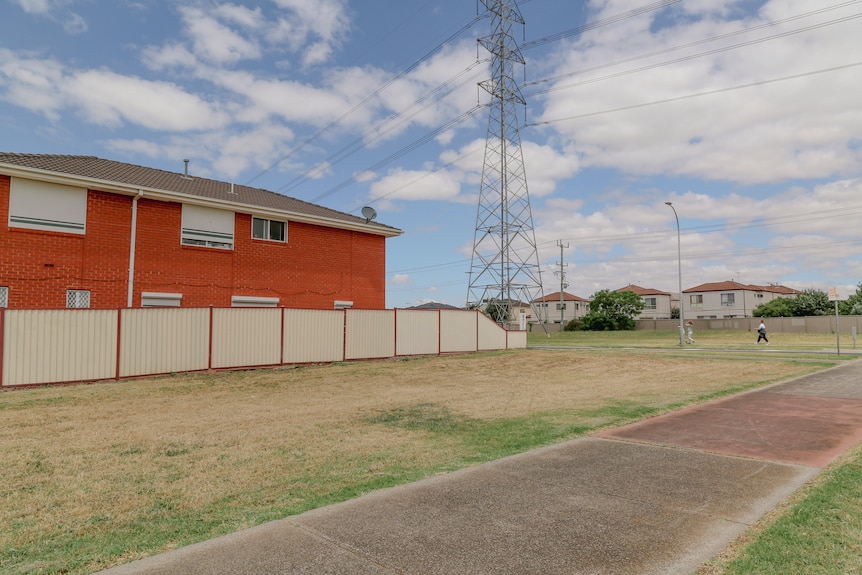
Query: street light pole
{"type": "Point", "coordinates": [679, 270]}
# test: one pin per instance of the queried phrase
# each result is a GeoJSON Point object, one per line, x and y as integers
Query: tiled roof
{"type": "Point", "coordinates": [566, 297]}
{"type": "Point", "coordinates": [109, 171]}
{"type": "Point", "coordinates": [732, 286]}
{"type": "Point", "coordinates": [643, 291]}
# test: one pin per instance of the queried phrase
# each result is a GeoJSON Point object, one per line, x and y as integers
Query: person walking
{"type": "Point", "coordinates": [689, 328]}
{"type": "Point", "coordinates": [761, 333]}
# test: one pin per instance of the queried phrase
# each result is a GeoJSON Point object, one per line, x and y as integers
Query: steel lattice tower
{"type": "Point", "coordinates": [504, 269]}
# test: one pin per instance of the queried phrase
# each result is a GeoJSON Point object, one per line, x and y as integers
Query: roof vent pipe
{"type": "Point", "coordinates": [186, 162]}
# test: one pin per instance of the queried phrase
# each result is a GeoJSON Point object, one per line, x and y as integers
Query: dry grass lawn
{"type": "Point", "coordinates": [96, 475]}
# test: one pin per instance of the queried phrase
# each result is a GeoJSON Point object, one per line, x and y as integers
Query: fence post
{"type": "Point", "coordinates": [2, 342]}
{"type": "Point", "coordinates": [119, 343]}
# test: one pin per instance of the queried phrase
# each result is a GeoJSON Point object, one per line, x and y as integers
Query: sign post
{"type": "Point", "coordinates": [833, 296]}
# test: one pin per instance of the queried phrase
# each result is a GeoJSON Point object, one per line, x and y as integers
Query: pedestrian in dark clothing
{"type": "Point", "coordinates": [761, 333]}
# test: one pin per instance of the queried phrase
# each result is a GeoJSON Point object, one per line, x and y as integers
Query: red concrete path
{"type": "Point", "coordinates": [799, 422]}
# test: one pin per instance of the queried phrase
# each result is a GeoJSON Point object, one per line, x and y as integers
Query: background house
{"type": "Point", "coordinates": [552, 310]}
{"type": "Point", "coordinates": [82, 231]}
{"type": "Point", "coordinates": [657, 303]}
{"type": "Point", "coordinates": [729, 299]}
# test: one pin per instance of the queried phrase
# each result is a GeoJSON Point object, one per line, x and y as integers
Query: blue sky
{"type": "Point", "coordinates": [743, 114]}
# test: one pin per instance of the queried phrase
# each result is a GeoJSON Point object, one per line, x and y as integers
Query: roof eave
{"type": "Point", "coordinates": [167, 195]}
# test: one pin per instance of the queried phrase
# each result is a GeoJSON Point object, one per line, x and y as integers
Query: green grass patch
{"type": "Point", "coordinates": [819, 535]}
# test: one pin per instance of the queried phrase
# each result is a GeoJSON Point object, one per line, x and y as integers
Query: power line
{"type": "Point", "coordinates": [692, 44]}
{"type": "Point", "coordinates": [696, 95]}
{"type": "Point", "coordinates": [367, 99]}
{"type": "Point", "coordinates": [694, 56]}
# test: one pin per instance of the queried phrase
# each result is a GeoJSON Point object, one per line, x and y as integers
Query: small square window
{"type": "Point", "coordinates": [263, 229]}
{"type": "Point", "coordinates": [77, 298]}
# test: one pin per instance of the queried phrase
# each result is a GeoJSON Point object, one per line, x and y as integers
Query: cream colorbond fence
{"type": "Point", "coordinates": [64, 346]}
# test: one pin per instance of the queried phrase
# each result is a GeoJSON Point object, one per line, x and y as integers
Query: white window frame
{"type": "Point", "coordinates": [728, 299]}
{"type": "Point", "coordinates": [695, 300]}
{"type": "Point", "coordinates": [77, 298]}
{"type": "Point", "coordinates": [561, 307]}
{"type": "Point", "coordinates": [47, 206]}
{"type": "Point", "coordinates": [207, 227]}
{"type": "Point", "coordinates": [650, 306]}
{"type": "Point", "coordinates": [161, 299]}
{"type": "Point", "coordinates": [4, 296]}
{"type": "Point", "coordinates": [267, 230]}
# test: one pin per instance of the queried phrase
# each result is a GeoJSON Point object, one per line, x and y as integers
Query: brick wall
{"type": "Point", "coordinates": [314, 268]}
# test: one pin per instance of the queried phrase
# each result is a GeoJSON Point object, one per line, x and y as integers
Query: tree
{"type": "Point", "coordinates": [853, 304]}
{"type": "Point", "coordinates": [779, 307]}
{"type": "Point", "coordinates": [611, 311]}
{"type": "Point", "coordinates": [498, 311]}
{"type": "Point", "coordinates": [811, 302]}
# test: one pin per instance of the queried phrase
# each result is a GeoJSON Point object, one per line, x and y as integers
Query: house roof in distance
{"type": "Point", "coordinates": [556, 297]}
{"type": "Point", "coordinates": [736, 286]}
{"type": "Point", "coordinates": [434, 305]}
{"type": "Point", "coordinates": [108, 175]}
{"type": "Point", "coordinates": [643, 291]}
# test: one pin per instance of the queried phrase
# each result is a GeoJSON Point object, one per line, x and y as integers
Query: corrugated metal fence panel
{"type": "Point", "coordinates": [417, 332]}
{"type": "Point", "coordinates": [313, 335]}
{"type": "Point", "coordinates": [163, 340]}
{"type": "Point", "coordinates": [50, 346]}
{"type": "Point", "coordinates": [517, 339]}
{"type": "Point", "coordinates": [491, 335]}
{"type": "Point", "coordinates": [457, 330]}
{"type": "Point", "coordinates": [369, 334]}
{"type": "Point", "coordinates": [245, 337]}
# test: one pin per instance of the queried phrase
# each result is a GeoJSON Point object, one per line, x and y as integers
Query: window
{"type": "Point", "coordinates": [46, 206]}
{"type": "Point", "coordinates": [77, 298]}
{"type": "Point", "coordinates": [159, 299]}
{"type": "Point", "coordinates": [561, 307]}
{"type": "Point", "coordinates": [728, 299]}
{"type": "Point", "coordinates": [650, 303]}
{"type": "Point", "coordinates": [4, 297]}
{"type": "Point", "coordinates": [207, 227]}
{"type": "Point", "coordinates": [268, 230]}
{"type": "Point", "coordinates": [696, 300]}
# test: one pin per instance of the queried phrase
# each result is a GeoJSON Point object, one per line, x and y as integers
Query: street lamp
{"type": "Point", "coordinates": [679, 269]}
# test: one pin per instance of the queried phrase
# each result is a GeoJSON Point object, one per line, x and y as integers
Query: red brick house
{"type": "Point", "coordinates": [81, 231]}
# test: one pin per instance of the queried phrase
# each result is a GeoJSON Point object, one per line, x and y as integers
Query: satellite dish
{"type": "Point", "coordinates": [368, 213]}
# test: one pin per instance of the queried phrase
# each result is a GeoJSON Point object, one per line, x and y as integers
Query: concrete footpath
{"type": "Point", "coordinates": [660, 496]}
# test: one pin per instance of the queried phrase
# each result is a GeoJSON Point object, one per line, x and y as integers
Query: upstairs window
{"type": "Point", "coordinates": [208, 227]}
{"type": "Point", "coordinates": [728, 299]}
{"type": "Point", "coordinates": [273, 230]}
{"type": "Point", "coordinates": [77, 298]}
{"type": "Point", "coordinates": [47, 206]}
{"type": "Point", "coordinates": [650, 303]}
{"type": "Point", "coordinates": [696, 300]}
{"type": "Point", "coordinates": [4, 297]}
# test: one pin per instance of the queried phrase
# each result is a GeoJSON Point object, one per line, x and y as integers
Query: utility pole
{"type": "Point", "coordinates": [563, 284]}
{"type": "Point", "coordinates": [505, 261]}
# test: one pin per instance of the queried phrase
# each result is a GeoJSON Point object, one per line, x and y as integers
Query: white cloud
{"type": "Point", "coordinates": [110, 99]}
{"type": "Point", "coordinates": [799, 128]}
{"type": "Point", "coordinates": [214, 41]}
{"type": "Point", "coordinates": [32, 83]}
{"type": "Point", "coordinates": [401, 279]}
{"type": "Point", "coordinates": [55, 10]}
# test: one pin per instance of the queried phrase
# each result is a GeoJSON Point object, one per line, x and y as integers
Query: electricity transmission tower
{"type": "Point", "coordinates": [504, 268]}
